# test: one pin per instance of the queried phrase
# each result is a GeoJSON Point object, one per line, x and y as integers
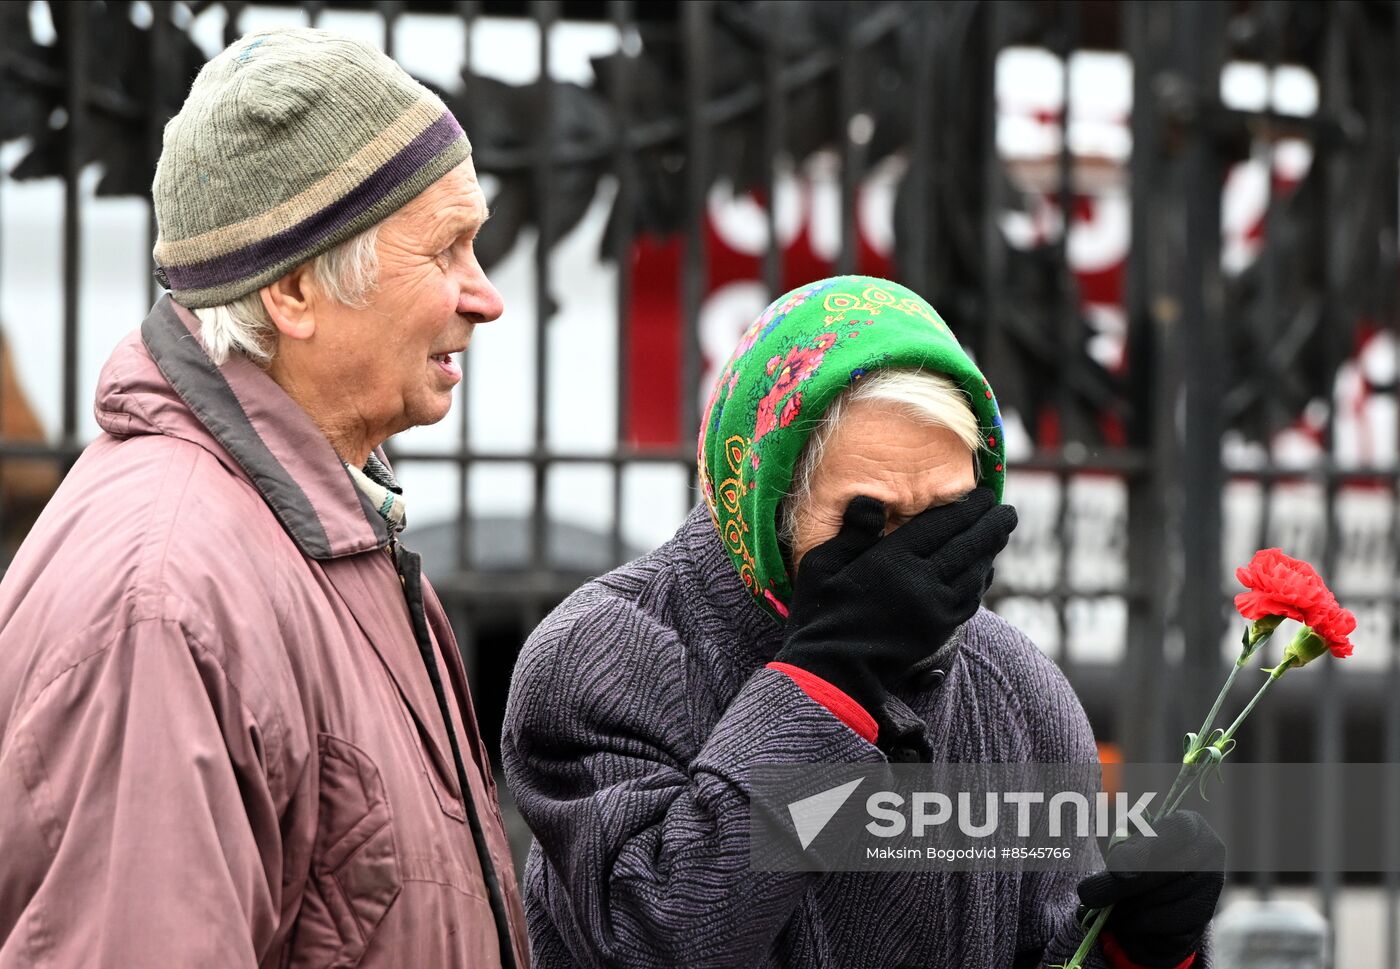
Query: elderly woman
{"type": "Point", "coordinates": [234, 724]}
{"type": "Point", "coordinates": [821, 606]}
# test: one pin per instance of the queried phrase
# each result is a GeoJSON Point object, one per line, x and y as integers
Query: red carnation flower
{"type": "Point", "coordinates": [1281, 585]}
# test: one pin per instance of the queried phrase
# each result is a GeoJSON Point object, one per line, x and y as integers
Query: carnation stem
{"type": "Point", "coordinates": [1183, 777]}
{"type": "Point", "coordinates": [1190, 769]}
{"type": "Point", "coordinates": [1179, 786]}
{"type": "Point", "coordinates": [1171, 805]}
{"type": "Point", "coordinates": [1215, 709]}
{"type": "Point", "coordinates": [1090, 937]}
{"type": "Point", "coordinates": [1174, 797]}
{"type": "Point", "coordinates": [1274, 674]}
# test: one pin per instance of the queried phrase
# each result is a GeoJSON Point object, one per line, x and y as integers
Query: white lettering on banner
{"type": "Point", "coordinates": [1136, 815]}
{"type": "Point", "coordinates": [889, 822]}
{"type": "Point", "coordinates": [990, 819]}
{"type": "Point", "coordinates": [1023, 801]}
{"type": "Point", "coordinates": [931, 809]}
{"type": "Point", "coordinates": [1081, 814]}
{"type": "Point", "coordinates": [922, 819]}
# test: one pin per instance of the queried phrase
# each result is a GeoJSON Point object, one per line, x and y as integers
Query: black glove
{"type": "Point", "coordinates": [1159, 917]}
{"type": "Point", "coordinates": [865, 608]}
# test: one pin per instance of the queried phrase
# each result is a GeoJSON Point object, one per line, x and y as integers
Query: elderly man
{"type": "Point", "coordinates": [234, 725]}
{"type": "Point", "coordinates": [821, 606]}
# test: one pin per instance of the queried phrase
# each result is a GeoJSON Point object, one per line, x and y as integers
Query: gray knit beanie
{"type": "Point", "coordinates": [290, 142]}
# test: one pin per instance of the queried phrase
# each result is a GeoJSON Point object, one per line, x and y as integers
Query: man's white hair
{"type": "Point", "coordinates": [929, 398]}
{"type": "Point", "coordinates": [347, 274]}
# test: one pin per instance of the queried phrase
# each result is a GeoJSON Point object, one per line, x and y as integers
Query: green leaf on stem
{"type": "Point", "coordinates": [1215, 759]}
{"type": "Point", "coordinates": [1188, 744]}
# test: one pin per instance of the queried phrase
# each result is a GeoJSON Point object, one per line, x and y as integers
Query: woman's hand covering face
{"type": "Point", "coordinates": [868, 606]}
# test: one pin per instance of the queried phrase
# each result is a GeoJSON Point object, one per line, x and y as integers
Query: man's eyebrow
{"type": "Point", "coordinates": [474, 224]}
{"type": "Point", "coordinates": [461, 226]}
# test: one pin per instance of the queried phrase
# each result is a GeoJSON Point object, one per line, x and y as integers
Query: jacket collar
{"type": "Point", "coordinates": [165, 383]}
{"type": "Point", "coordinates": [269, 437]}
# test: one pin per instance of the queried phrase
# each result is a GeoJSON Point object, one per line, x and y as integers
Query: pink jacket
{"type": "Point", "coordinates": [220, 744]}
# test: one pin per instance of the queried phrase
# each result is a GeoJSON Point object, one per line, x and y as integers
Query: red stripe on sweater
{"type": "Point", "coordinates": [848, 711]}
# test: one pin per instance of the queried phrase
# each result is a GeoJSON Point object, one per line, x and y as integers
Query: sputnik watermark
{"type": "Point", "coordinates": [926, 810]}
{"type": "Point", "coordinates": [810, 815]}
{"type": "Point", "coordinates": [974, 816]}
{"type": "Point", "coordinates": [1061, 817]}
{"type": "Point", "coordinates": [929, 809]}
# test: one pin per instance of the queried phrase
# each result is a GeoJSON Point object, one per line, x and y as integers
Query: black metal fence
{"type": "Point", "coordinates": [1178, 403]}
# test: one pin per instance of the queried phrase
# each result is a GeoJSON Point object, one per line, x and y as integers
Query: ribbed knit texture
{"type": "Point", "coordinates": [290, 142]}
{"type": "Point", "coordinates": [635, 709]}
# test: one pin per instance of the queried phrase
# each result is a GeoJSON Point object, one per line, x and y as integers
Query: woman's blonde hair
{"type": "Point", "coordinates": [928, 398]}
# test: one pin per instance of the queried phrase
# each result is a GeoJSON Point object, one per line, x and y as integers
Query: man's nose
{"type": "Point", "coordinates": [478, 299]}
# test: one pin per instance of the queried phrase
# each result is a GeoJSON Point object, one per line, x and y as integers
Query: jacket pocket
{"type": "Point", "coordinates": [355, 871]}
{"type": "Point", "coordinates": [437, 765]}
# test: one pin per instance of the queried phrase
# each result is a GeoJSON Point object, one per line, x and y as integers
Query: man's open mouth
{"type": "Point", "coordinates": [448, 364]}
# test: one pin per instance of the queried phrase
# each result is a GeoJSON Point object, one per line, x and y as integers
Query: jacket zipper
{"type": "Point", "coordinates": [409, 567]}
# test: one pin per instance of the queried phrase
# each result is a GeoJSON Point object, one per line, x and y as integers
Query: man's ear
{"type": "Point", "coordinates": [291, 304]}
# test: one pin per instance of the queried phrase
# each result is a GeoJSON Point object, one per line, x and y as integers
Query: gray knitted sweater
{"type": "Point", "coordinates": [634, 710]}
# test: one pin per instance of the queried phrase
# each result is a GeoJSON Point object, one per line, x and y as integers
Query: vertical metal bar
{"type": "Point", "coordinates": [389, 10]}
{"type": "Point", "coordinates": [914, 257]}
{"type": "Point", "coordinates": [1392, 776]}
{"type": "Point", "coordinates": [1066, 312]}
{"type": "Point", "coordinates": [314, 9]}
{"type": "Point", "coordinates": [1391, 741]}
{"type": "Point", "coordinates": [544, 13]}
{"type": "Point", "coordinates": [1066, 316]}
{"type": "Point", "coordinates": [696, 22]}
{"type": "Point", "coordinates": [1266, 734]}
{"type": "Point", "coordinates": [233, 13]}
{"type": "Point", "coordinates": [619, 80]}
{"type": "Point", "coordinates": [1391, 749]}
{"type": "Point", "coordinates": [1266, 731]}
{"type": "Point", "coordinates": [852, 136]}
{"type": "Point", "coordinates": [1392, 786]}
{"type": "Point", "coordinates": [1266, 738]}
{"type": "Point", "coordinates": [1329, 743]}
{"type": "Point", "coordinates": [987, 337]}
{"type": "Point", "coordinates": [465, 630]}
{"type": "Point", "coordinates": [75, 51]}
{"type": "Point", "coordinates": [1140, 719]}
{"type": "Point", "coordinates": [466, 10]}
{"type": "Point", "coordinates": [774, 139]}
{"type": "Point", "coordinates": [1333, 103]}
{"type": "Point", "coordinates": [156, 109]}
{"type": "Point", "coordinates": [1198, 41]}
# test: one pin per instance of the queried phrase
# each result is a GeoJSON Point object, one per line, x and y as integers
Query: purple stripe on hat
{"type": "Point", "coordinates": [258, 256]}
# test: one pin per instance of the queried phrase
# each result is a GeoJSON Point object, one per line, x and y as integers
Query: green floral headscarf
{"type": "Point", "coordinates": [804, 349]}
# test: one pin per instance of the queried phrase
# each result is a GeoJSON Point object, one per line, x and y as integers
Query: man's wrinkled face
{"type": "Point", "coordinates": [398, 358]}
{"type": "Point", "coordinates": [879, 451]}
